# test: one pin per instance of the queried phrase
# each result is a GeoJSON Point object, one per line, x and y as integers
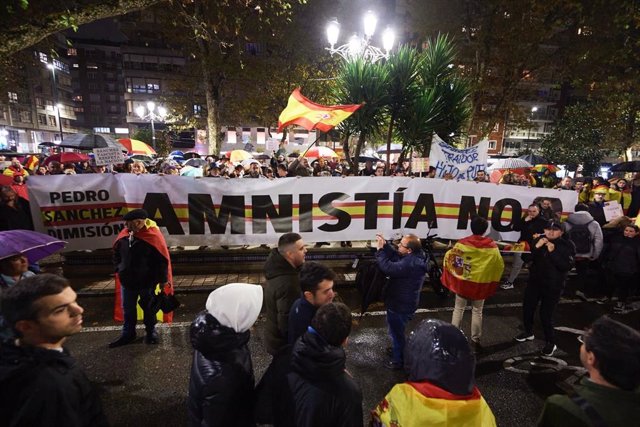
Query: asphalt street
{"type": "Point", "coordinates": [145, 385]}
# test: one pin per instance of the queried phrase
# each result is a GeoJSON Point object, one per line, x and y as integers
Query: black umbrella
{"type": "Point", "coordinates": [82, 141]}
{"type": "Point", "coordinates": [534, 159]}
{"type": "Point", "coordinates": [362, 159]}
{"type": "Point", "coordinates": [47, 144]}
{"type": "Point", "coordinates": [191, 155]}
{"type": "Point", "coordinates": [633, 166]}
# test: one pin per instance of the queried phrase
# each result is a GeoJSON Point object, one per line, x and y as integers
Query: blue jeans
{"type": "Point", "coordinates": [129, 302]}
{"type": "Point", "coordinates": [397, 322]}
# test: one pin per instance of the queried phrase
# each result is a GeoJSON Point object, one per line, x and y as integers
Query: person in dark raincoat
{"type": "Point", "coordinates": [441, 385]}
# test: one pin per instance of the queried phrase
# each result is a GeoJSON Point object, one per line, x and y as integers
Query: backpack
{"type": "Point", "coordinates": [581, 237]}
{"type": "Point", "coordinates": [371, 283]}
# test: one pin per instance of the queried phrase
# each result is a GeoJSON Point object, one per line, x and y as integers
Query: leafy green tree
{"type": "Point", "coordinates": [23, 23]}
{"type": "Point", "coordinates": [222, 35]}
{"type": "Point", "coordinates": [576, 140]}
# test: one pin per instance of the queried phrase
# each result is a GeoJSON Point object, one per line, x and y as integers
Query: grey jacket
{"type": "Point", "coordinates": [584, 217]}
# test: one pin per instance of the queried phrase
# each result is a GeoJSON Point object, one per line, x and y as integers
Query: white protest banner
{"type": "Point", "coordinates": [612, 210]}
{"type": "Point", "coordinates": [108, 156]}
{"type": "Point", "coordinates": [86, 210]}
{"type": "Point", "coordinates": [462, 164]}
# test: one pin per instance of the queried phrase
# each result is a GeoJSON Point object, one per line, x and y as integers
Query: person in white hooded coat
{"type": "Point", "coordinates": [221, 387]}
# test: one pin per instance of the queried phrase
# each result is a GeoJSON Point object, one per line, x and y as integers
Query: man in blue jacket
{"type": "Point", "coordinates": [406, 268]}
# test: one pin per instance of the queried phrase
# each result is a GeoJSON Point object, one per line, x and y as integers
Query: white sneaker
{"type": "Point", "coordinates": [507, 285]}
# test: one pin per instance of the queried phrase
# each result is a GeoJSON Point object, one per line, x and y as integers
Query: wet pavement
{"type": "Point", "coordinates": [147, 385]}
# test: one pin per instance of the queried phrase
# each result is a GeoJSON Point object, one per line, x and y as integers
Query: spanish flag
{"type": "Point", "coordinates": [473, 268]}
{"type": "Point", "coordinates": [303, 112]}
{"type": "Point", "coordinates": [425, 404]}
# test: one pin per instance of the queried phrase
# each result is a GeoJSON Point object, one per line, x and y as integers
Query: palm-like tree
{"type": "Point", "coordinates": [361, 82]}
{"type": "Point", "coordinates": [403, 88]}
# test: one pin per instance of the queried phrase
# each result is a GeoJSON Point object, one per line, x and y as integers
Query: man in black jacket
{"type": "Point", "coordinates": [323, 391]}
{"type": "Point", "coordinates": [40, 383]}
{"type": "Point", "coordinates": [142, 261]}
{"type": "Point", "coordinates": [316, 283]}
{"type": "Point", "coordinates": [553, 257]}
{"type": "Point", "coordinates": [405, 268]}
{"type": "Point", "coordinates": [283, 287]}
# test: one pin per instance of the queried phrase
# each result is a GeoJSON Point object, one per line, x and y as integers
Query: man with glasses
{"type": "Point", "coordinates": [405, 267]}
{"type": "Point", "coordinates": [610, 352]}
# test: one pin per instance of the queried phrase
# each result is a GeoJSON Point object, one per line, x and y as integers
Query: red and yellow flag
{"type": "Point", "coordinates": [473, 268]}
{"type": "Point", "coordinates": [425, 404]}
{"type": "Point", "coordinates": [306, 113]}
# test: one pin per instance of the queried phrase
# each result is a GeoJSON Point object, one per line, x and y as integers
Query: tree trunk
{"type": "Point", "coordinates": [345, 150]}
{"type": "Point", "coordinates": [359, 145]}
{"type": "Point", "coordinates": [389, 136]}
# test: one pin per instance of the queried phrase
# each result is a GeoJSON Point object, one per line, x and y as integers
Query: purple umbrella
{"type": "Point", "coordinates": [32, 244]}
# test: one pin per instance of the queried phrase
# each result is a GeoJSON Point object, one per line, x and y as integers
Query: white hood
{"type": "Point", "coordinates": [236, 305]}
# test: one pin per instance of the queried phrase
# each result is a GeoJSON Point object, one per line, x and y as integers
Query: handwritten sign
{"type": "Point", "coordinates": [463, 164]}
{"type": "Point", "coordinates": [612, 210]}
{"type": "Point", "coordinates": [108, 156]}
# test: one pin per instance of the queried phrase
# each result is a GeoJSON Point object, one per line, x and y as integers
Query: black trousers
{"type": "Point", "coordinates": [547, 297]}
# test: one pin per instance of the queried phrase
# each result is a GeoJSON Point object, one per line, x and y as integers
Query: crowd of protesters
{"type": "Point", "coordinates": [307, 383]}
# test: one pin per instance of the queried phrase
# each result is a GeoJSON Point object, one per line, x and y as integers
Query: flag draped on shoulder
{"type": "Point", "coordinates": [303, 112]}
{"type": "Point", "coordinates": [473, 268]}
{"type": "Point", "coordinates": [152, 235]}
{"type": "Point", "coordinates": [424, 404]}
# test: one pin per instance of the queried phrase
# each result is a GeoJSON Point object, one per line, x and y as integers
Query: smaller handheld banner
{"type": "Point", "coordinates": [462, 164]}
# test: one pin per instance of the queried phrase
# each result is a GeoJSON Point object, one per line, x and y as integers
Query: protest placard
{"type": "Point", "coordinates": [612, 210]}
{"type": "Point", "coordinates": [419, 164]}
{"type": "Point", "coordinates": [108, 156]}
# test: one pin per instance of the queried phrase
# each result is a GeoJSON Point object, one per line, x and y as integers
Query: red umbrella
{"type": "Point", "coordinates": [67, 158]}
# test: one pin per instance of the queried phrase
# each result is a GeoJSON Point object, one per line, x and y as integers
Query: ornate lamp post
{"type": "Point", "coordinates": [152, 114]}
{"type": "Point", "coordinates": [359, 46]}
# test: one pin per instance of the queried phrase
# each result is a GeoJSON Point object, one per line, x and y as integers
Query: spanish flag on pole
{"type": "Point", "coordinates": [303, 112]}
{"type": "Point", "coordinates": [473, 268]}
{"type": "Point", "coordinates": [425, 404]}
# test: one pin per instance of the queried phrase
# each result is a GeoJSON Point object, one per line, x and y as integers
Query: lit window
{"type": "Point", "coordinates": [13, 97]}
{"type": "Point", "coordinates": [43, 57]}
{"type": "Point", "coordinates": [72, 52]}
{"type": "Point", "coordinates": [76, 66]}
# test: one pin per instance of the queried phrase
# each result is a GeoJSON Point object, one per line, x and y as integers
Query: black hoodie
{"type": "Point", "coordinates": [323, 392]}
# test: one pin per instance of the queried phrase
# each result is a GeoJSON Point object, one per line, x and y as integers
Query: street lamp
{"type": "Point", "coordinates": [58, 106]}
{"type": "Point", "coordinates": [152, 116]}
{"type": "Point", "coordinates": [533, 110]}
{"type": "Point", "coordinates": [360, 46]}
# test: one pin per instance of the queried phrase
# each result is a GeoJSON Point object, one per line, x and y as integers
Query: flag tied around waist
{"type": "Point", "coordinates": [306, 113]}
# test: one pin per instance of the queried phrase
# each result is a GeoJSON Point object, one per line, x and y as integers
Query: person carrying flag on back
{"type": "Point", "coordinates": [142, 262]}
{"type": "Point", "coordinates": [441, 388]}
{"type": "Point", "coordinates": [472, 270]}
